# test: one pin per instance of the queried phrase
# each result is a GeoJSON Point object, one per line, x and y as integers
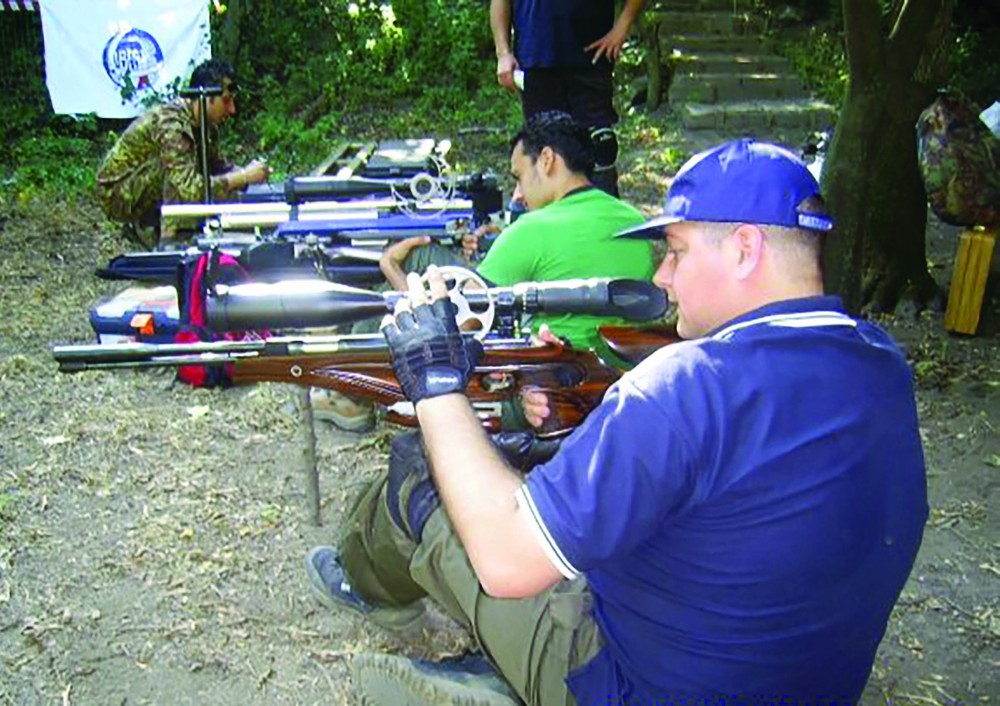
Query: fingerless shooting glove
{"type": "Point", "coordinates": [430, 355]}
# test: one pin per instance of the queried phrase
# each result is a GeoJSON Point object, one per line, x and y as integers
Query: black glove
{"type": "Point", "coordinates": [430, 355]}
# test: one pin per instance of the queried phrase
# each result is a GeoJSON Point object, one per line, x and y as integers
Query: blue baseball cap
{"type": "Point", "coordinates": [742, 181]}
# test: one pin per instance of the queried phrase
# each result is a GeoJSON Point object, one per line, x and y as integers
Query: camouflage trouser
{"type": "Point", "coordinates": [533, 642]}
{"type": "Point", "coordinates": [135, 202]}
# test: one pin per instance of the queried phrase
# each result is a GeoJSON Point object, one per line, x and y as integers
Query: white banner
{"type": "Point", "coordinates": [97, 50]}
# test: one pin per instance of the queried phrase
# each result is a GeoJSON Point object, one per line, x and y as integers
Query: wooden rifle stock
{"type": "Point", "coordinates": [635, 343]}
{"type": "Point", "coordinates": [574, 380]}
{"type": "Point", "coordinates": [361, 366]}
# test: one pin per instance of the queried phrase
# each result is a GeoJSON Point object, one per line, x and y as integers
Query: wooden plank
{"type": "Point", "coordinates": [968, 280]}
{"type": "Point", "coordinates": [336, 156]}
{"type": "Point", "coordinates": [360, 159]}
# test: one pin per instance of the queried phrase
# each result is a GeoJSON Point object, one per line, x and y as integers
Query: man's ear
{"type": "Point", "coordinates": [748, 243]}
{"type": "Point", "coordinates": [547, 160]}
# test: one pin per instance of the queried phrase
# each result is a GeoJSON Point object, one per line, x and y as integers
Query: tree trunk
{"type": "Point", "coordinates": [871, 179]}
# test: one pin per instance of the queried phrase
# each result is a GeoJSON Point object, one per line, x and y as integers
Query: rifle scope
{"type": "Point", "coordinates": [298, 304]}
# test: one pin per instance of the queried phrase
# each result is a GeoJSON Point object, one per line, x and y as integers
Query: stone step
{"type": "Point", "coordinates": [694, 6]}
{"type": "Point", "coordinates": [721, 88]}
{"type": "Point", "coordinates": [757, 117]}
{"type": "Point", "coordinates": [724, 63]}
{"type": "Point", "coordinates": [724, 23]}
{"type": "Point", "coordinates": [713, 44]}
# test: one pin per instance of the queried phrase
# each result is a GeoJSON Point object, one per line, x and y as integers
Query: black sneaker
{"type": "Point", "coordinates": [391, 680]}
{"type": "Point", "coordinates": [331, 587]}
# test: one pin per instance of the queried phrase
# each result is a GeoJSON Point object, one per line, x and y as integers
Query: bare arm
{"type": "Point", "coordinates": [500, 25]}
{"type": "Point", "coordinates": [610, 45]}
{"type": "Point", "coordinates": [393, 257]}
{"type": "Point", "coordinates": [477, 489]}
{"type": "Point", "coordinates": [238, 178]}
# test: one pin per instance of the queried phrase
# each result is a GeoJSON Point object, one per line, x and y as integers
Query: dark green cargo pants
{"type": "Point", "coordinates": [534, 642]}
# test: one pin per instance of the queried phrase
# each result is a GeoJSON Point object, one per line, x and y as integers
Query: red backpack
{"type": "Point", "coordinates": [194, 279]}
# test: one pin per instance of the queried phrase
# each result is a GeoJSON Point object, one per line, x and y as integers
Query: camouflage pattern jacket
{"type": "Point", "coordinates": [156, 161]}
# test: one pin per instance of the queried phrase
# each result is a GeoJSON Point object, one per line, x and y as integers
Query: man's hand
{"type": "Point", "coordinates": [610, 45]}
{"type": "Point", "coordinates": [256, 172]}
{"type": "Point", "coordinates": [429, 353]}
{"type": "Point", "coordinates": [506, 66]}
{"type": "Point", "coordinates": [535, 403]}
{"type": "Point", "coordinates": [470, 241]}
{"type": "Point", "coordinates": [393, 257]}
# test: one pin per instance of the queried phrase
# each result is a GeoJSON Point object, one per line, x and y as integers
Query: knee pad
{"type": "Point", "coordinates": [605, 148]}
{"type": "Point", "coordinates": [410, 493]}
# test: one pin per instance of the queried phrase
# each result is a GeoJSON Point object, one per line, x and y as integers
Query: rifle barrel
{"type": "Point", "coordinates": [79, 358]}
{"type": "Point", "coordinates": [243, 214]}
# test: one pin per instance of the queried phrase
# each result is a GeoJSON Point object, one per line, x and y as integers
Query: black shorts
{"type": "Point", "coordinates": [583, 92]}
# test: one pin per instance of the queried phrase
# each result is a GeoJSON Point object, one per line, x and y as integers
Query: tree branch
{"type": "Point", "coordinates": [865, 48]}
{"type": "Point", "coordinates": [908, 38]}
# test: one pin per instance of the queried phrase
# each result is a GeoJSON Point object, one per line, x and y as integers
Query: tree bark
{"type": "Point", "coordinates": [871, 179]}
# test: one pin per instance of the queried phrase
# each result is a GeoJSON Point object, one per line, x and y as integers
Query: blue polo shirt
{"type": "Point", "coordinates": [746, 508]}
{"type": "Point", "coordinates": [551, 33]}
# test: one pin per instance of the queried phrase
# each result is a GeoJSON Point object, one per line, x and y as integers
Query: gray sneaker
{"type": "Point", "coordinates": [331, 587]}
{"type": "Point", "coordinates": [392, 680]}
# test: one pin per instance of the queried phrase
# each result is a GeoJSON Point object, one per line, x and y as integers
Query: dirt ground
{"type": "Point", "coordinates": [152, 535]}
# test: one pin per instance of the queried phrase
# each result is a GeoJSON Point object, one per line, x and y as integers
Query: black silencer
{"type": "Point", "coordinates": [312, 188]}
{"type": "Point", "coordinates": [305, 303]}
{"type": "Point", "coordinates": [631, 299]}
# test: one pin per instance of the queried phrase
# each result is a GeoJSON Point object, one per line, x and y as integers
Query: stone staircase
{"type": "Point", "coordinates": [725, 82]}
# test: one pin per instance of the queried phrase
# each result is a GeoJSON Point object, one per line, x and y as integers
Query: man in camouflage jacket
{"type": "Point", "coordinates": [157, 158]}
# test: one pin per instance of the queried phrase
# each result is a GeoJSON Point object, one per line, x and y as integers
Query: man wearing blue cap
{"type": "Point", "coordinates": [733, 524]}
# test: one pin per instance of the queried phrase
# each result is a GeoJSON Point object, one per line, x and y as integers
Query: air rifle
{"type": "Point", "coordinates": [361, 366]}
{"type": "Point", "coordinates": [319, 198]}
{"type": "Point", "coordinates": [344, 250]}
{"type": "Point", "coordinates": [480, 189]}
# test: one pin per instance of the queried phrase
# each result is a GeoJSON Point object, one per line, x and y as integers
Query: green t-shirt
{"type": "Point", "coordinates": [570, 238]}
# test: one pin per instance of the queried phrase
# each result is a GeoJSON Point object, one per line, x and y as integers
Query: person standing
{"type": "Point", "coordinates": [566, 50]}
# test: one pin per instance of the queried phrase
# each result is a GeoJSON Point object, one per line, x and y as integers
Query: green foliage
{"type": "Point", "coordinates": [23, 88]}
{"type": "Point", "coordinates": [152, 96]}
{"type": "Point", "coordinates": [819, 58]}
{"type": "Point", "coordinates": [60, 159]}
{"type": "Point", "coordinates": [974, 63]}
{"type": "Point", "coordinates": [420, 61]}
{"type": "Point", "coordinates": [933, 368]}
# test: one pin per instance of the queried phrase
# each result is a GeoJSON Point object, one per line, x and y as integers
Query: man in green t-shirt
{"type": "Point", "coordinates": [567, 233]}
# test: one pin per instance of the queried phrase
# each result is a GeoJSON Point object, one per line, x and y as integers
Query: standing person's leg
{"type": "Point", "coordinates": [544, 89]}
{"type": "Point", "coordinates": [590, 94]}
{"type": "Point", "coordinates": [398, 546]}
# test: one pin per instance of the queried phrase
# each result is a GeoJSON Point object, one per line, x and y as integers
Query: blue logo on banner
{"type": "Point", "coordinates": [134, 53]}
